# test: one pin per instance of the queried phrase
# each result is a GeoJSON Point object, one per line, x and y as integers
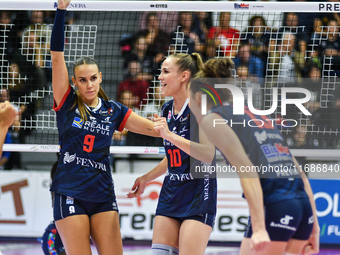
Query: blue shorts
{"type": "Point", "coordinates": [206, 218]}
{"type": "Point", "coordinates": [287, 219]}
{"type": "Point", "coordinates": [64, 206]}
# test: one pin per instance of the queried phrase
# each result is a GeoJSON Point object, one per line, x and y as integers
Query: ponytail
{"type": "Point", "coordinates": [214, 71]}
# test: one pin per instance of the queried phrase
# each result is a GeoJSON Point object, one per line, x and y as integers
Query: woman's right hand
{"type": "Point", "coordinates": [62, 4]}
{"type": "Point", "coordinates": [7, 114]}
{"type": "Point", "coordinates": [138, 187]}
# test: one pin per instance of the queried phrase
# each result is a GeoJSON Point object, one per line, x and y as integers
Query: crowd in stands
{"type": "Point", "coordinates": [294, 54]}
{"type": "Point", "coordinates": [24, 69]}
{"type": "Point", "coordinates": [300, 51]}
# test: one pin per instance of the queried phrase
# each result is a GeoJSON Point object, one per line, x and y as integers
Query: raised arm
{"type": "Point", "coordinates": [60, 80]}
{"type": "Point", "coordinates": [225, 139]}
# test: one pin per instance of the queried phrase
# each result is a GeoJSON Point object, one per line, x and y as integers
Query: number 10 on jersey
{"type": "Point", "coordinates": [175, 157]}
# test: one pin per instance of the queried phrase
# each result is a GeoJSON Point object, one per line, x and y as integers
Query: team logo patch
{"type": "Point", "coordinates": [169, 116]}
{"type": "Point", "coordinates": [69, 158]}
{"type": "Point", "coordinates": [69, 200]}
{"type": "Point", "coordinates": [77, 122]}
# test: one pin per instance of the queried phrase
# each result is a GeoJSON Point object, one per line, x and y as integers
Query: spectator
{"type": "Point", "coordinates": [314, 84]}
{"type": "Point", "coordinates": [203, 21]}
{"type": "Point", "coordinates": [327, 17]}
{"type": "Point", "coordinates": [154, 104]}
{"type": "Point", "coordinates": [258, 36]}
{"type": "Point", "coordinates": [19, 19]}
{"type": "Point", "coordinates": [314, 81]}
{"type": "Point", "coordinates": [244, 82]}
{"type": "Point", "coordinates": [329, 47]}
{"type": "Point", "coordinates": [135, 82]}
{"type": "Point", "coordinates": [20, 86]}
{"type": "Point", "coordinates": [145, 110]}
{"type": "Point", "coordinates": [13, 36]}
{"type": "Point", "coordinates": [34, 48]}
{"type": "Point", "coordinates": [130, 100]}
{"type": "Point", "coordinates": [226, 38]}
{"type": "Point", "coordinates": [296, 50]}
{"type": "Point", "coordinates": [210, 50]}
{"type": "Point", "coordinates": [290, 25]}
{"type": "Point", "coordinates": [186, 39]}
{"type": "Point", "coordinates": [156, 39]}
{"type": "Point", "coordinates": [148, 64]}
{"type": "Point", "coordinates": [35, 43]}
{"type": "Point", "coordinates": [282, 60]}
{"type": "Point", "coordinates": [253, 63]}
{"type": "Point", "coordinates": [318, 31]}
{"type": "Point", "coordinates": [167, 21]}
{"type": "Point", "coordinates": [335, 110]}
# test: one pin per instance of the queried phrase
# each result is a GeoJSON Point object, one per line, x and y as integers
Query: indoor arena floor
{"type": "Point", "coordinates": [31, 248]}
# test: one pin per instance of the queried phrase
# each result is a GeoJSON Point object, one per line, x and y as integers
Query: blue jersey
{"type": "Point", "coordinates": [267, 149]}
{"type": "Point", "coordinates": [83, 169]}
{"type": "Point", "coordinates": [183, 195]}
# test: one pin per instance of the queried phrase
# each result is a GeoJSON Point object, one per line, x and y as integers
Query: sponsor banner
{"type": "Point", "coordinates": [137, 215]}
{"type": "Point", "coordinates": [326, 195]}
{"type": "Point", "coordinates": [25, 206]}
{"type": "Point", "coordinates": [313, 7]}
{"type": "Point", "coordinates": [25, 203]}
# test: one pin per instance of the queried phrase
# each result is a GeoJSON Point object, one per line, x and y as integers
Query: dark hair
{"type": "Point", "coordinates": [151, 14]}
{"type": "Point", "coordinates": [79, 100]}
{"type": "Point", "coordinates": [252, 20]}
{"type": "Point", "coordinates": [84, 61]}
{"type": "Point", "coordinates": [216, 69]}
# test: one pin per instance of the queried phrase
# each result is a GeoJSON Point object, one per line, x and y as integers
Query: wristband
{"type": "Point", "coordinates": [58, 31]}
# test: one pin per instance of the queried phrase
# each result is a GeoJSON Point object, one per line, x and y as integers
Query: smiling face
{"type": "Point", "coordinates": [172, 79]}
{"type": "Point", "coordinates": [87, 79]}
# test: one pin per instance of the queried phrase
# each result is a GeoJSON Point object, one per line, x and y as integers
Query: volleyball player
{"type": "Point", "coordinates": [281, 208]}
{"type": "Point", "coordinates": [7, 117]}
{"type": "Point", "coordinates": [186, 208]}
{"type": "Point", "coordinates": [84, 201]}
{"type": "Point", "coordinates": [51, 242]}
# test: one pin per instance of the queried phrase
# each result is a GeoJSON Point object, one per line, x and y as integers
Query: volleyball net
{"type": "Point", "coordinates": [274, 46]}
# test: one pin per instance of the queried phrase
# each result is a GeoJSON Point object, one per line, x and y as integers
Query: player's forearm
{"type": "Point", "coordinates": [253, 193]}
{"type": "Point", "coordinates": [3, 132]}
{"type": "Point", "coordinates": [159, 170]}
{"type": "Point", "coordinates": [3, 161]}
{"type": "Point", "coordinates": [200, 151]}
{"type": "Point", "coordinates": [140, 125]}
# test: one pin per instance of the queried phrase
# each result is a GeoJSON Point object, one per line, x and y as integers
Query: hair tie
{"type": "Point", "coordinates": [194, 57]}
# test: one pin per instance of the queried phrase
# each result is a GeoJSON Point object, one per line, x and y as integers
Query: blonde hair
{"type": "Point", "coordinates": [217, 68]}
{"type": "Point", "coordinates": [188, 62]}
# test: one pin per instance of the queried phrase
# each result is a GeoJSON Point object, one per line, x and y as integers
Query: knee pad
{"type": "Point", "coordinates": [162, 249]}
